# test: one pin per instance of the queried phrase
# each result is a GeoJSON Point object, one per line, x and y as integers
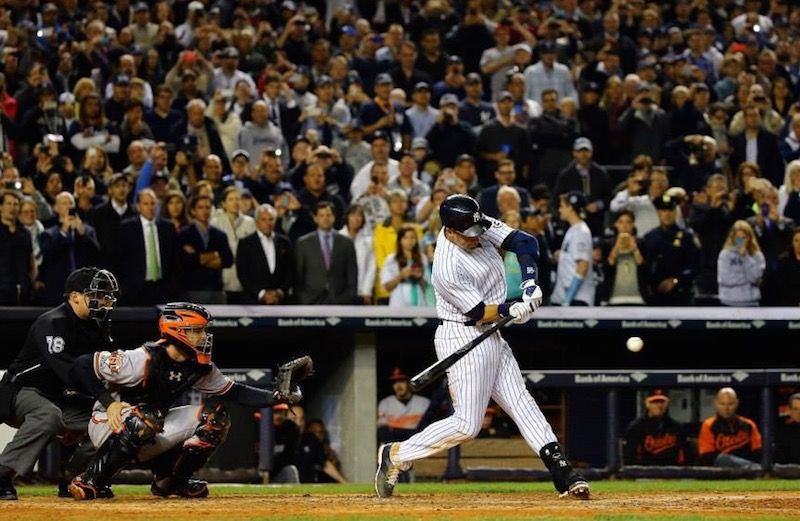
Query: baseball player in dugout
{"type": "Point", "coordinates": [144, 427]}
{"type": "Point", "coordinates": [400, 414]}
{"type": "Point", "coordinates": [37, 391]}
{"type": "Point", "coordinates": [469, 281]}
{"type": "Point", "coordinates": [728, 439]}
{"type": "Point", "coordinates": [655, 438]}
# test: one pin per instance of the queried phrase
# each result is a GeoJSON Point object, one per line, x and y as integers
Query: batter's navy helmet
{"type": "Point", "coordinates": [463, 214]}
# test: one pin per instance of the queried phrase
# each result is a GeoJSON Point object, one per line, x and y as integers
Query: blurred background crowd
{"type": "Point", "coordinates": [296, 152]}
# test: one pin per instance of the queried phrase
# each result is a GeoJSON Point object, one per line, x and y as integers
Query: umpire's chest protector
{"type": "Point", "coordinates": [165, 379]}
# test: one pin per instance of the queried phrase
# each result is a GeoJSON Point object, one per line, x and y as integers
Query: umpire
{"type": "Point", "coordinates": [33, 391]}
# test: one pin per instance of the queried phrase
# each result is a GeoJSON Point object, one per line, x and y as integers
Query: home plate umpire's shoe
{"type": "Point", "coordinates": [387, 473]}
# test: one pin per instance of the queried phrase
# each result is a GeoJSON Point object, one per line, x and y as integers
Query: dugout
{"type": "Point", "coordinates": [355, 348]}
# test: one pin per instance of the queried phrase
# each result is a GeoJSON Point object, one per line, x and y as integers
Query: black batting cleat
{"type": "Point", "coordinates": [578, 488]}
{"type": "Point", "coordinates": [87, 490]}
{"type": "Point", "coordinates": [192, 488]}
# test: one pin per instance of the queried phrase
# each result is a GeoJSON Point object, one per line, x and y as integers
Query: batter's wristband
{"type": "Point", "coordinates": [502, 310]}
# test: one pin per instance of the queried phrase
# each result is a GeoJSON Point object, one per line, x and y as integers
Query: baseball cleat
{"type": "Point", "coordinates": [577, 490]}
{"type": "Point", "coordinates": [387, 473]}
{"type": "Point", "coordinates": [87, 490]}
{"type": "Point", "coordinates": [192, 488]}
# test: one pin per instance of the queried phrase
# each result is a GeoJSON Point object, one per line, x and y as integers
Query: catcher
{"type": "Point", "coordinates": [175, 441]}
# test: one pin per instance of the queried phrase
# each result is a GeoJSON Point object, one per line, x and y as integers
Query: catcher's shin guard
{"type": "Point", "coordinates": [176, 480]}
{"type": "Point", "coordinates": [568, 481]}
{"type": "Point", "coordinates": [139, 428]}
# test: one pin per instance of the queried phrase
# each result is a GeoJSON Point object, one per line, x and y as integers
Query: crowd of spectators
{"type": "Point", "coordinates": [296, 152]}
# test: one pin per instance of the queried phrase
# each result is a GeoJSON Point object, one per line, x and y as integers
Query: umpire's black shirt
{"type": "Point", "coordinates": [55, 339]}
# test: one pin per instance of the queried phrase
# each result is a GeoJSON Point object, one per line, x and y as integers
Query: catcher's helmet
{"type": "Point", "coordinates": [100, 286]}
{"type": "Point", "coordinates": [181, 323]}
{"type": "Point", "coordinates": [463, 214]}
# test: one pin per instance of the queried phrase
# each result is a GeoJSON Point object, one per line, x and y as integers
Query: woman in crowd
{"type": "Point", "coordinates": [403, 273]}
{"type": "Point", "coordinates": [623, 266]}
{"type": "Point", "coordinates": [361, 236]}
{"type": "Point", "coordinates": [789, 192]}
{"type": "Point", "coordinates": [740, 267]}
{"type": "Point", "coordinates": [173, 209]}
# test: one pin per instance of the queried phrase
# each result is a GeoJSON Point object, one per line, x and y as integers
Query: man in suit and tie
{"type": "Point", "coordinates": [107, 217]}
{"type": "Point", "coordinates": [264, 261]}
{"type": "Point", "coordinates": [147, 256]}
{"type": "Point", "coordinates": [326, 270]}
{"type": "Point", "coordinates": [204, 252]}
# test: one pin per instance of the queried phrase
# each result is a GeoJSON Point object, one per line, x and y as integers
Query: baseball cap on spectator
{"type": "Point", "coordinates": [289, 5]}
{"type": "Point", "coordinates": [422, 85]}
{"type": "Point", "coordinates": [324, 80]}
{"type": "Point", "coordinates": [383, 79]}
{"type": "Point", "coordinates": [524, 213]}
{"type": "Point", "coordinates": [380, 134]}
{"type": "Point", "coordinates": [583, 143]}
{"type": "Point", "coordinates": [656, 395]}
{"type": "Point", "coordinates": [398, 375]}
{"type": "Point", "coordinates": [122, 80]}
{"type": "Point", "coordinates": [196, 6]}
{"type": "Point", "coordinates": [188, 73]}
{"type": "Point", "coordinates": [299, 138]}
{"type": "Point", "coordinates": [116, 178]}
{"type": "Point", "coordinates": [643, 87]}
{"type": "Point", "coordinates": [354, 77]}
{"type": "Point", "coordinates": [465, 157]}
{"type": "Point", "coordinates": [136, 50]}
{"type": "Point", "coordinates": [214, 11]}
{"type": "Point", "coordinates": [376, 38]}
{"type": "Point", "coordinates": [473, 77]}
{"type": "Point", "coordinates": [665, 202]}
{"type": "Point", "coordinates": [229, 52]}
{"type": "Point", "coordinates": [187, 142]}
{"type": "Point", "coordinates": [246, 193]}
{"type": "Point", "coordinates": [448, 99]}
{"type": "Point", "coordinates": [453, 58]}
{"type": "Point", "coordinates": [240, 152]}
{"type": "Point", "coordinates": [700, 86]}
{"type": "Point", "coordinates": [592, 86]}
{"type": "Point", "coordinates": [546, 48]}
{"type": "Point", "coordinates": [46, 88]}
{"type": "Point", "coordinates": [49, 7]}
{"type": "Point", "coordinates": [349, 30]}
{"type": "Point", "coordinates": [504, 95]}
{"type": "Point", "coordinates": [66, 97]}
{"type": "Point", "coordinates": [134, 103]}
{"type": "Point", "coordinates": [140, 6]}
{"type": "Point", "coordinates": [647, 62]}
{"type": "Point", "coordinates": [419, 142]}
{"type": "Point", "coordinates": [159, 176]}
{"type": "Point", "coordinates": [523, 47]}
{"type": "Point", "coordinates": [576, 199]}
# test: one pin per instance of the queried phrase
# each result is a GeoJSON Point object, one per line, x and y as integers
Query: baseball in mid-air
{"type": "Point", "coordinates": [634, 344]}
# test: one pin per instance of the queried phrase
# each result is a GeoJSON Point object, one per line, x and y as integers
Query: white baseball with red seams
{"type": "Point", "coordinates": [462, 280]}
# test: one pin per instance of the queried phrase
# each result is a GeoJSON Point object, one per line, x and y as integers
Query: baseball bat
{"type": "Point", "coordinates": [437, 369]}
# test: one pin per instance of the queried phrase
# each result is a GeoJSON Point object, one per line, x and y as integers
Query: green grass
{"type": "Point", "coordinates": [629, 487]}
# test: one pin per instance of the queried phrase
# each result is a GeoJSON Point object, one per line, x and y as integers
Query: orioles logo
{"type": "Point", "coordinates": [658, 444]}
{"type": "Point", "coordinates": [730, 442]}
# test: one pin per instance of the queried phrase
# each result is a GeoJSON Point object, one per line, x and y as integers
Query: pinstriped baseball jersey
{"type": "Point", "coordinates": [464, 278]}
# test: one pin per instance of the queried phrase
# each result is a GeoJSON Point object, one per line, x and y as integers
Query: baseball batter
{"type": "Point", "coordinates": [470, 285]}
{"type": "Point", "coordinates": [175, 441]}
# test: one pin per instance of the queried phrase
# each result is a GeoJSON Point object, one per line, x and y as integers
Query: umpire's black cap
{"type": "Point", "coordinates": [80, 280]}
{"type": "Point", "coordinates": [463, 214]}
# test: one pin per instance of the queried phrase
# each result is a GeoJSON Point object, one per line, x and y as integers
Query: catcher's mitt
{"type": "Point", "coordinates": [289, 376]}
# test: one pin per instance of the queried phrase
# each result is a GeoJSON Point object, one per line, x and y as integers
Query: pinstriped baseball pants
{"type": "Point", "coordinates": [488, 371]}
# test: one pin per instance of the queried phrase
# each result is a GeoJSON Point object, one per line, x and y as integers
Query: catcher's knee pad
{"type": "Point", "coordinates": [141, 426]}
{"type": "Point", "coordinates": [212, 429]}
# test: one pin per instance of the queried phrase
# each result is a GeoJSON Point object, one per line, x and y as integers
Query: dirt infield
{"type": "Point", "coordinates": [751, 505]}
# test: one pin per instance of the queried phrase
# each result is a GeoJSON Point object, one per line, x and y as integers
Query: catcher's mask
{"type": "Point", "coordinates": [186, 326]}
{"type": "Point", "coordinates": [98, 286]}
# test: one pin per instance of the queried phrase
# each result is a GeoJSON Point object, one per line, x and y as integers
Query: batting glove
{"type": "Point", "coordinates": [532, 293]}
{"type": "Point", "coordinates": [521, 311]}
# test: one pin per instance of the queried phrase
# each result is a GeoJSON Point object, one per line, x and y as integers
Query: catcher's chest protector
{"type": "Point", "coordinates": [165, 379]}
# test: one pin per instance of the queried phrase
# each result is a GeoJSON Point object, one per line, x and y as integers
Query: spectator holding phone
{"type": "Point", "coordinates": [740, 267]}
{"type": "Point", "coordinates": [403, 272]}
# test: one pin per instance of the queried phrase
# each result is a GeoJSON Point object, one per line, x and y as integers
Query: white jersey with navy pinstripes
{"type": "Point", "coordinates": [463, 278]}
